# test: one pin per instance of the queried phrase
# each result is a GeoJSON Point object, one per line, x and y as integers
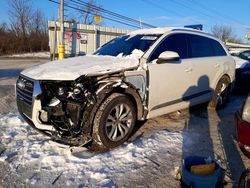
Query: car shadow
{"type": "Point", "coordinates": [210, 133]}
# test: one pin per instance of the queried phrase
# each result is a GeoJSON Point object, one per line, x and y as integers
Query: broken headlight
{"type": "Point", "coordinates": [63, 103]}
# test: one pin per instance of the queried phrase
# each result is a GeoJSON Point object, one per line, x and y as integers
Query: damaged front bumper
{"type": "Point", "coordinates": [29, 102]}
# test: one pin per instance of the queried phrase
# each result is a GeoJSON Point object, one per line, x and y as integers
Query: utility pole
{"type": "Point", "coordinates": [61, 45]}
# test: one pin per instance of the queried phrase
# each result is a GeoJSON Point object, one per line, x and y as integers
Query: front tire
{"type": "Point", "coordinates": [221, 94]}
{"type": "Point", "coordinates": [114, 121]}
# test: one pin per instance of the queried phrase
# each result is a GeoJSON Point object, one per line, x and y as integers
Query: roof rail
{"type": "Point", "coordinates": [192, 30]}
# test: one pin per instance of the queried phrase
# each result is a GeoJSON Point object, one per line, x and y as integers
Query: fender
{"type": "Point", "coordinates": [106, 88]}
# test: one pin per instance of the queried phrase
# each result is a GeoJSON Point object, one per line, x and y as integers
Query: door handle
{"type": "Point", "coordinates": [188, 69]}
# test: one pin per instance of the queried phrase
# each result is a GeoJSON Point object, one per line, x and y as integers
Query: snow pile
{"type": "Point", "coordinates": [72, 68]}
{"type": "Point", "coordinates": [29, 149]}
{"type": "Point", "coordinates": [160, 30]}
{"type": "Point", "coordinates": [35, 54]}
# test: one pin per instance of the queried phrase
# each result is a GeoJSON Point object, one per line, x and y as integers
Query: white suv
{"type": "Point", "coordinates": [96, 100]}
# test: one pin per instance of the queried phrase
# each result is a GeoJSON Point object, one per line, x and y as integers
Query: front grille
{"type": "Point", "coordinates": [24, 91]}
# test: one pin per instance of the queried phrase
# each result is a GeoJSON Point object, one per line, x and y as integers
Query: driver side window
{"type": "Point", "coordinates": [175, 42]}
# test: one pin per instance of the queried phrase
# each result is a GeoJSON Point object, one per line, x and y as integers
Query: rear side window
{"type": "Point", "coordinates": [200, 46]}
{"type": "Point", "coordinates": [175, 42]}
{"type": "Point", "coordinates": [218, 49]}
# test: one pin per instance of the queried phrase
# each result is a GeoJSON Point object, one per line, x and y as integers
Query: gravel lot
{"type": "Point", "coordinates": [203, 132]}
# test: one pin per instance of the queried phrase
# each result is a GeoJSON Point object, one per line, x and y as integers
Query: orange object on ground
{"type": "Point", "coordinates": [204, 169]}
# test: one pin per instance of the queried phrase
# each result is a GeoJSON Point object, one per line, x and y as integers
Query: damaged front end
{"type": "Point", "coordinates": [56, 108]}
{"type": "Point", "coordinates": [63, 106]}
{"type": "Point", "coordinates": [65, 110]}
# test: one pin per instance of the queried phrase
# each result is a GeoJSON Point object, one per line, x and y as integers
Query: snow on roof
{"type": "Point", "coordinates": [162, 30]}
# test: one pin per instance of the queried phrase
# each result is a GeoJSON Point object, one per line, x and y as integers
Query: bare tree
{"type": "Point", "coordinates": [38, 37]}
{"type": "Point", "coordinates": [38, 23]}
{"type": "Point", "coordinates": [89, 11]}
{"type": "Point", "coordinates": [224, 33]}
{"type": "Point", "coordinates": [28, 28]}
{"type": "Point", "coordinates": [20, 12]}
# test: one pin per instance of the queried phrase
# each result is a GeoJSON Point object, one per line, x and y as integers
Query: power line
{"type": "Point", "coordinates": [152, 3]}
{"type": "Point", "coordinates": [225, 17]}
{"type": "Point", "coordinates": [108, 18]}
{"type": "Point", "coordinates": [112, 13]}
{"type": "Point", "coordinates": [104, 12]}
{"type": "Point", "coordinates": [188, 7]}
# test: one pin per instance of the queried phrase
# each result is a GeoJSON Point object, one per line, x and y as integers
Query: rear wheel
{"type": "Point", "coordinates": [221, 93]}
{"type": "Point", "coordinates": [114, 121]}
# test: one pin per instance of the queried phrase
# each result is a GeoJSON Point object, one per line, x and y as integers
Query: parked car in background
{"type": "Point", "coordinates": [243, 127]}
{"type": "Point", "coordinates": [97, 99]}
{"type": "Point", "coordinates": [245, 55]}
{"type": "Point", "coordinates": [242, 73]}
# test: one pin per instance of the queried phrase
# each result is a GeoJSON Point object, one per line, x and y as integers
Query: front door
{"type": "Point", "coordinates": [170, 83]}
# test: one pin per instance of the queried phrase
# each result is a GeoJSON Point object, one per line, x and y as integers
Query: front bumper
{"type": "Point", "coordinates": [30, 111]}
{"type": "Point", "coordinates": [28, 102]}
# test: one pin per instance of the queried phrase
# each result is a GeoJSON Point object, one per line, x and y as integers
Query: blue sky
{"type": "Point", "coordinates": [164, 12]}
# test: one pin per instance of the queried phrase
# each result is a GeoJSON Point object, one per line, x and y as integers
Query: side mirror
{"type": "Point", "coordinates": [168, 56]}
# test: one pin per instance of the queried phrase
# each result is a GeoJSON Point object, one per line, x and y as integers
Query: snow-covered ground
{"type": "Point", "coordinates": [31, 55]}
{"type": "Point", "coordinates": [29, 149]}
{"type": "Point", "coordinates": [149, 159]}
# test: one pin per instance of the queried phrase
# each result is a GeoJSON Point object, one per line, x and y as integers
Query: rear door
{"type": "Point", "coordinates": [206, 66]}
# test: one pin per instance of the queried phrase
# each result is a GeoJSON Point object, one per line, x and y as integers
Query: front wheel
{"type": "Point", "coordinates": [221, 93]}
{"type": "Point", "coordinates": [114, 121]}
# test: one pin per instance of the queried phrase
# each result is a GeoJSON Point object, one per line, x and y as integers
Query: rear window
{"type": "Point", "coordinates": [200, 46]}
{"type": "Point", "coordinates": [218, 49]}
{"type": "Point", "coordinates": [204, 47]}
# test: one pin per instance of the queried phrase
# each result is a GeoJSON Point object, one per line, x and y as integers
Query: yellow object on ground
{"type": "Point", "coordinates": [61, 51]}
{"type": "Point", "coordinates": [204, 169]}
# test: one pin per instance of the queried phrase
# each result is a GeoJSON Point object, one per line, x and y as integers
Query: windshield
{"type": "Point", "coordinates": [125, 45]}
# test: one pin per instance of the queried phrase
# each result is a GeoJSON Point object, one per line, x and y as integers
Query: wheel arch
{"type": "Point", "coordinates": [116, 87]}
{"type": "Point", "coordinates": [230, 81]}
{"type": "Point", "coordinates": [133, 94]}
{"type": "Point", "coordinates": [219, 78]}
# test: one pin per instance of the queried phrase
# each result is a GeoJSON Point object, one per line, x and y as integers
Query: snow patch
{"type": "Point", "coordinates": [72, 68]}
{"type": "Point", "coordinates": [159, 30]}
{"type": "Point", "coordinates": [29, 149]}
{"type": "Point", "coordinates": [35, 54]}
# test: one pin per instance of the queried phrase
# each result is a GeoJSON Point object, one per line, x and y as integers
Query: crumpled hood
{"type": "Point", "coordinates": [72, 68]}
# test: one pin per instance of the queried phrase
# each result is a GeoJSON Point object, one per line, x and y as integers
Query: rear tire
{"type": "Point", "coordinates": [114, 121]}
{"type": "Point", "coordinates": [221, 94]}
